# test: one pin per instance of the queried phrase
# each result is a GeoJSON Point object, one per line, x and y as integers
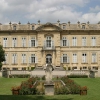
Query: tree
{"type": "Point", "coordinates": [2, 56]}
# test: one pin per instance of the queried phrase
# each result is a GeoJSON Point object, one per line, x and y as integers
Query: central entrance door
{"type": "Point", "coordinates": [48, 58]}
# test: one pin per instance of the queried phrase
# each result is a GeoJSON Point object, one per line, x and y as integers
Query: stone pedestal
{"type": "Point", "coordinates": [49, 89]}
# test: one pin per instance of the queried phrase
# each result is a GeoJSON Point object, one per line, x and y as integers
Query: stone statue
{"type": "Point", "coordinates": [48, 70]}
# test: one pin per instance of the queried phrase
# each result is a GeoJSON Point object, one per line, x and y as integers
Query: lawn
{"type": "Point", "coordinates": [93, 85]}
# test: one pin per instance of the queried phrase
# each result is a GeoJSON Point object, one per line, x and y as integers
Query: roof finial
{"type": "Point", "coordinates": [58, 21]}
{"type": "Point", "coordinates": [38, 21]}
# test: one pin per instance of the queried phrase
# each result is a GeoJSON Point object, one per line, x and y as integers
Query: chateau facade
{"type": "Point", "coordinates": [74, 46]}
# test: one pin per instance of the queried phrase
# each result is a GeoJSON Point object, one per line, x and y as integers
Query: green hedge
{"type": "Point", "coordinates": [19, 76]}
{"type": "Point", "coordinates": [77, 76]}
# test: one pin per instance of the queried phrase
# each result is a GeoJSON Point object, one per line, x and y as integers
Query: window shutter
{"type": "Point", "coordinates": [29, 60]}
{"type": "Point", "coordinates": [12, 58]}
{"type": "Point", "coordinates": [76, 42]}
{"type": "Point", "coordinates": [16, 42]}
{"type": "Point", "coordinates": [7, 42]}
{"type": "Point", "coordinates": [3, 42]}
{"type": "Point", "coordinates": [61, 43]}
{"type": "Point", "coordinates": [22, 58]}
{"type": "Point", "coordinates": [25, 42]}
{"type": "Point", "coordinates": [29, 43]}
{"type": "Point", "coordinates": [22, 42]}
{"type": "Point", "coordinates": [35, 43]}
{"type": "Point", "coordinates": [12, 43]}
{"type": "Point", "coordinates": [76, 58]}
{"type": "Point", "coordinates": [25, 58]}
{"type": "Point", "coordinates": [15, 58]}
{"type": "Point", "coordinates": [36, 60]}
{"type": "Point", "coordinates": [72, 42]}
{"type": "Point", "coordinates": [62, 59]}
{"type": "Point", "coordinates": [68, 60]}
{"type": "Point", "coordinates": [7, 58]}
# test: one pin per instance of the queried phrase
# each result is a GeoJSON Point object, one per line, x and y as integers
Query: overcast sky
{"type": "Point", "coordinates": [49, 11]}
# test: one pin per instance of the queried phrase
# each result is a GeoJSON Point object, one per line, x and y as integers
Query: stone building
{"type": "Point", "coordinates": [74, 46]}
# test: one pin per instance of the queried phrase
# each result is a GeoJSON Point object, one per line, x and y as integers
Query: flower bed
{"type": "Point", "coordinates": [70, 87]}
{"type": "Point", "coordinates": [26, 87]}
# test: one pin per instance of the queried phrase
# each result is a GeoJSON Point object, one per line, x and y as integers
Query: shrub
{"type": "Point", "coordinates": [77, 76]}
{"type": "Point", "coordinates": [19, 76]}
{"type": "Point", "coordinates": [43, 77]}
{"type": "Point", "coordinates": [70, 87]}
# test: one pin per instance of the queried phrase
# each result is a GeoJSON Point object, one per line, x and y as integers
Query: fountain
{"type": "Point", "coordinates": [49, 84]}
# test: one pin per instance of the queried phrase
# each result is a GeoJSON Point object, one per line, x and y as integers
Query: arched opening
{"type": "Point", "coordinates": [48, 58]}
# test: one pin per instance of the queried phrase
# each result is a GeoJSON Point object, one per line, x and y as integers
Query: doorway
{"type": "Point", "coordinates": [48, 58]}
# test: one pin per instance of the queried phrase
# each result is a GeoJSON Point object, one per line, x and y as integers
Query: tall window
{"type": "Point", "coordinates": [6, 59]}
{"type": "Point", "coordinates": [83, 41]}
{"type": "Point", "coordinates": [93, 41]}
{"type": "Point", "coordinates": [74, 58]}
{"type": "Point", "coordinates": [74, 41]}
{"type": "Point", "coordinates": [5, 41]}
{"type": "Point", "coordinates": [48, 41]}
{"type": "Point", "coordinates": [64, 41]}
{"type": "Point", "coordinates": [23, 41]}
{"type": "Point", "coordinates": [14, 58]}
{"type": "Point", "coordinates": [32, 58]}
{"type": "Point", "coordinates": [65, 58]}
{"type": "Point", "coordinates": [23, 58]}
{"type": "Point", "coordinates": [33, 42]}
{"type": "Point", "coordinates": [94, 58]}
{"type": "Point", "coordinates": [84, 58]}
{"type": "Point", "coordinates": [14, 42]}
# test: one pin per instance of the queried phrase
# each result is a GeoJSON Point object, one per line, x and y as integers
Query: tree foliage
{"type": "Point", "coordinates": [2, 55]}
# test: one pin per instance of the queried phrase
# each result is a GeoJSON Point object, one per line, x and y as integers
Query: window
{"type": "Point", "coordinates": [32, 27]}
{"type": "Point", "coordinates": [64, 26]}
{"type": "Point", "coordinates": [74, 41]}
{"type": "Point", "coordinates": [14, 68]}
{"type": "Point", "coordinates": [6, 59]}
{"type": "Point", "coordinates": [14, 42]}
{"type": "Point", "coordinates": [93, 41]}
{"type": "Point", "coordinates": [14, 27]}
{"type": "Point", "coordinates": [48, 41]}
{"type": "Point", "coordinates": [14, 58]}
{"type": "Point", "coordinates": [23, 58]}
{"type": "Point", "coordinates": [83, 26]}
{"type": "Point", "coordinates": [5, 41]}
{"type": "Point", "coordinates": [23, 68]}
{"type": "Point", "coordinates": [74, 68]}
{"type": "Point", "coordinates": [32, 58]}
{"type": "Point", "coordinates": [83, 41]}
{"type": "Point", "coordinates": [65, 58]}
{"type": "Point", "coordinates": [84, 68]}
{"type": "Point", "coordinates": [74, 58]}
{"type": "Point", "coordinates": [95, 68]}
{"type": "Point", "coordinates": [23, 42]}
{"type": "Point", "coordinates": [33, 42]}
{"type": "Point", "coordinates": [84, 56]}
{"type": "Point", "coordinates": [64, 41]}
{"type": "Point", "coordinates": [94, 58]}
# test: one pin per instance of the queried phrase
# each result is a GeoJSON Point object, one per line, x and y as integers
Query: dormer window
{"type": "Point", "coordinates": [64, 27]}
{"type": "Point", "coordinates": [14, 27]}
{"type": "Point", "coordinates": [83, 26]}
{"type": "Point", "coordinates": [32, 27]}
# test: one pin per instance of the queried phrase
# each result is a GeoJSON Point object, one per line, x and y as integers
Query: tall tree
{"type": "Point", "coordinates": [2, 56]}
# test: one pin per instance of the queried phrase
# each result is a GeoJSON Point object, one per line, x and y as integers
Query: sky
{"type": "Point", "coordinates": [49, 11]}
